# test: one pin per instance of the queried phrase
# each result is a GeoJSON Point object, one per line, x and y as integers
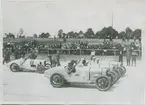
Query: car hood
{"type": "Point", "coordinates": [56, 69]}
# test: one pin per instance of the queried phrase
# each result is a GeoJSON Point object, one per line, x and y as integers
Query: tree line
{"type": "Point", "coordinates": [104, 33]}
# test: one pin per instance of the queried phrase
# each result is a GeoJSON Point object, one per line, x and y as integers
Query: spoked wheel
{"type": "Point", "coordinates": [14, 67]}
{"type": "Point", "coordinates": [41, 69]}
{"type": "Point", "coordinates": [57, 80]}
{"type": "Point", "coordinates": [103, 83]}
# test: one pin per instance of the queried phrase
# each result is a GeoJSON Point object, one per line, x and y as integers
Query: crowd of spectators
{"type": "Point", "coordinates": [70, 47]}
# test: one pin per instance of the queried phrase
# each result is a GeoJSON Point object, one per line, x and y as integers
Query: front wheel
{"type": "Point", "coordinates": [14, 67]}
{"type": "Point", "coordinates": [57, 80]}
{"type": "Point", "coordinates": [103, 83]}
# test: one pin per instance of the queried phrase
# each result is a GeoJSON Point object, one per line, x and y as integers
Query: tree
{"type": "Point", "coordinates": [20, 33]}
{"type": "Point", "coordinates": [70, 34]}
{"type": "Point", "coordinates": [103, 33]}
{"type": "Point", "coordinates": [60, 33]}
{"type": "Point", "coordinates": [9, 35]}
{"type": "Point", "coordinates": [112, 33]}
{"type": "Point", "coordinates": [137, 34]}
{"type": "Point", "coordinates": [35, 35]}
{"type": "Point", "coordinates": [81, 34]}
{"type": "Point", "coordinates": [89, 33]}
{"type": "Point", "coordinates": [129, 33]}
{"type": "Point", "coordinates": [44, 35]}
{"type": "Point", "coordinates": [122, 35]}
{"type": "Point", "coordinates": [97, 35]}
{"type": "Point", "coordinates": [47, 35]}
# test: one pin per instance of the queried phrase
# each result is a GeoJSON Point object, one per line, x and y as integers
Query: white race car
{"type": "Point", "coordinates": [78, 72]}
{"type": "Point", "coordinates": [38, 65]}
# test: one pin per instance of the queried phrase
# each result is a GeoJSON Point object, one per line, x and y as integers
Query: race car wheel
{"type": "Point", "coordinates": [123, 69]}
{"type": "Point", "coordinates": [112, 76]}
{"type": "Point", "coordinates": [14, 67]}
{"type": "Point", "coordinates": [103, 83]}
{"type": "Point", "coordinates": [120, 70]}
{"type": "Point", "coordinates": [40, 69]}
{"type": "Point", "coordinates": [115, 76]}
{"type": "Point", "coordinates": [57, 80]}
{"type": "Point", "coordinates": [117, 73]}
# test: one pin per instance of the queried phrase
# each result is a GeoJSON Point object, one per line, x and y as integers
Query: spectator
{"type": "Point", "coordinates": [128, 55]}
{"type": "Point", "coordinates": [134, 55]}
{"type": "Point", "coordinates": [92, 54]}
{"type": "Point", "coordinates": [121, 55]}
{"type": "Point", "coordinates": [7, 54]}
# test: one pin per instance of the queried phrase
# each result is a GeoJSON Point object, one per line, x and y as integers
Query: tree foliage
{"type": "Point", "coordinates": [44, 35]}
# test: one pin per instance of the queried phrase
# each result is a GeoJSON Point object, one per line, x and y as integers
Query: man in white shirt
{"type": "Point", "coordinates": [92, 54]}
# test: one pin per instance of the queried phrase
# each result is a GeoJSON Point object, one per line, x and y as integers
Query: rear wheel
{"type": "Point", "coordinates": [57, 80]}
{"type": "Point", "coordinates": [14, 67]}
{"type": "Point", "coordinates": [103, 83]}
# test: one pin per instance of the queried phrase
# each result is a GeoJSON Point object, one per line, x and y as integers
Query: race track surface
{"type": "Point", "coordinates": [28, 87]}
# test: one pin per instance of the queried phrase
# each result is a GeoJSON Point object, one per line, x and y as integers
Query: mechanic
{"type": "Point", "coordinates": [58, 58]}
{"type": "Point", "coordinates": [133, 56]}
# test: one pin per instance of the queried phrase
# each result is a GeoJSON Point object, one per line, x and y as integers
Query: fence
{"type": "Point", "coordinates": [111, 52]}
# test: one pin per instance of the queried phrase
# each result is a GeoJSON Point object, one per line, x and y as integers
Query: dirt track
{"type": "Point", "coordinates": [33, 87]}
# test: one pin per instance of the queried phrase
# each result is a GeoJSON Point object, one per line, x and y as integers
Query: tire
{"type": "Point", "coordinates": [40, 69]}
{"type": "Point", "coordinates": [14, 67]}
{"type": "Point", "coordinates": [120, 70]}
{"type": "Point", "coordinates": [124, 69]}
{"type": "Point", "coordinates": [117, 73]}
{"type": "Point", "coordinates": [112, 76]}
{"type": "Point", "coordinates": [57, 80]}
{"type": "Point", "coordinates": [105, 83]}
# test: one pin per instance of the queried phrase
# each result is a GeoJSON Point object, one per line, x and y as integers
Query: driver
{"type": "Point", "coordinates": [33, 55]}
{"type": "Point", "coordinates": [71, 67]}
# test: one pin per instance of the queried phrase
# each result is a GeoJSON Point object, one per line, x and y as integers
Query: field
{"type": "Point", "coordinates": [29, 87]}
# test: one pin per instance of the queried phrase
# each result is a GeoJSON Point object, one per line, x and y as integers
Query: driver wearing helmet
{"type": "Point", "coordinates": [71, 67]}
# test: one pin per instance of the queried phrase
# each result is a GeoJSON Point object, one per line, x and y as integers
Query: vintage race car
{"type": "Point", "coordinates": [38, 65]}
{"type": "Point", "coordinates": [102, 77]}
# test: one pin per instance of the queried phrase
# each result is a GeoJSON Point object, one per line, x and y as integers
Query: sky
{"type": "Point", "coordinates": [36, 16]}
